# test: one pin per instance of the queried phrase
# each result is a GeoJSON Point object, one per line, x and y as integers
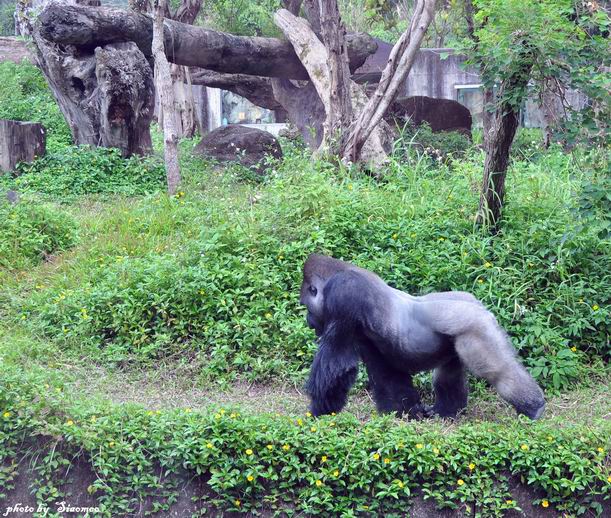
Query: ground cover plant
{"type": "Point", "coordinates": [113, 292]}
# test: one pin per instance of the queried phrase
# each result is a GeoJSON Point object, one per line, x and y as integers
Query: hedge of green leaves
{"type": "Point", "coordinates": [231, 293]}
{"type": "Point", "coordinates": [75, 171]}
{"type": "Point", "coordinates": [335, 466]}
{"type": "Point", "coordinates": [30, 231]}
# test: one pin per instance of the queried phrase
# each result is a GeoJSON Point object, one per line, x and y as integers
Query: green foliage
{"type": "Point", "coordinates": [30, 231]}
{"type": "Point", "coordinates": [25, 96]}
{"type": "Point", "coordinates": [564, 42]}
{"type": "Point", "coordinates": [440, 146]}
{"type": "Point", "coordinates": [244, 17]}
{"type": "Point", "coordinates": [332, 466]}
{"type": "Point", "coordinates": [7, 21]}
{"type": "Point", "coordinates": [76, 171]}
{"type": "Point", "coordinates": [228, 294]}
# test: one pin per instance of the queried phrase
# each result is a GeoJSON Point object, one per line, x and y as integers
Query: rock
{"type": "Point", "coordinates": [242, 144]}
{"type": "Point", "coordinates": [440, 114]}
{"type": "Point", "coordinates": [20, 142]}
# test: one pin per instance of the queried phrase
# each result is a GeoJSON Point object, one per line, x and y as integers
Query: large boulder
{"type": "Point", "coordinates": [439, 114]}
{"type": "Point", "coordinates": [242, 144]}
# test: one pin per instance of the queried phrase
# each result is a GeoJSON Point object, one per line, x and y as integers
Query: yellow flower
{"type": "Point", "coordinates": [544, 503]}
{"type": "Point", "coordinates": [281, 257]}
{"type": "Point", "coordinates": [349, 186]}
{"type": "Point", "coordinates": [574, 349]}
{"type": "Point", "coordinates": [333, 413]}
{"type": "Point", "coordinates": [471, 466]}
{"type": "Point", "coordinates": [487, 264]}
{"type": "Point", "coordinates": [250, 478]}
{"type": "Point", "coordinates": [609, 480]}
{"type": "Point", "coordinates": [336, 474]}
{"type": "Point", "coordinates": [524, 447]}
{"type": "Point", "coordinates": [436, 451]}
{"type": "Point", "coordinates": [209, 446]}
{"type": "Point", "coordinates": [286, 447]}
{"type": "Point", "coordinates": [111, 444]}
{"type": "Point", "coordinates": [386, 460]}
{"type": "Point", "coordinates": [376, 456]}
{"type": "Point", "coordinates": [248, 451]}
{"type": "Point", "coordinates": [595, 307]}
{"type": "Point", "coordinates": [270, 447]}
{"type": "Point", "coordinates": [6, 415]}
{"type": "Point", "coordinates": [69, 422]}
{"type": "Point", "coordinates": [550, 438]}
{"type": "Point", "coordinates": [237, 503]}
{"type": "Point", "coordinates": [400, 484]}
{"type": "Point", "coordinates": [323, 458]}
{"type": "Point", "coordinates": [441, 239]}
{"type": "Point", "coordinates": [308, 414]}
{"type": "Point", "coordinates": [509, 502]}
{"type": "Point", "coordinates": [395, 236]}
{"type": "Point", "coordinates": [318, 483]}
{"type": "Point", "coordinates": [600, 450]}
{"type": "Point", "coordinates": [268, 315]}
{"type": "Point", "coordinates": [419, 446]}
{"type": "Point", "coordinates": [313, 429]}
{"type": "Point", "coordinates": [460, 481]}
{"type": "Point", "coordinates": [299, 422]}
{"type": "Point", "coordinates": [480, 281]}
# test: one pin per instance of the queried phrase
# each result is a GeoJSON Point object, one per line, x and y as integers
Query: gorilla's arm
{"type": "Point", "coordinates": [333, 371]}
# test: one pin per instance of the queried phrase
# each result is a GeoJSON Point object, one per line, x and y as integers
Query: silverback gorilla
{"type": "Point", "coordinates": [359, 317]}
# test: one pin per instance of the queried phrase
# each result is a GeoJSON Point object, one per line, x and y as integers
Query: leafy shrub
{"type": "Point", "coordinates": [439, 146]}
{"type": "Point", "coordinates": [25, 96]}
{"type": "Point", "coordinates": [76, 171]}
{"type": "Point", "coordinates": [30, 231]}
{"type": "Point", "coordinates": [331, 466]}
{"type": "Point", "coordinates": [231, 295]}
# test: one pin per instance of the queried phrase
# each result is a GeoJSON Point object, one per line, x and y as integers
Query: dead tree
{"type": "Point", "coordinates": [105, 92]}
{"type": "Point", "coordinates": [399, 64]}
{"type": "Point", "coordinates": [163, 80]}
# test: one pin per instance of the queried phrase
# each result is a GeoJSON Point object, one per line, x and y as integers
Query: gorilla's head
{"type": "Point", "coordinates": [317, 270]}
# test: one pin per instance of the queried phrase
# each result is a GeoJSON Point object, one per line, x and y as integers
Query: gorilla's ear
{"type": "Point", "coordinates": [333, 371]}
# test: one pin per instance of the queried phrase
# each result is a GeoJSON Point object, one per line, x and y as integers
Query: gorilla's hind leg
{"type": "Point", "coordinates": [392, 389]}
{"type": "Point", "coordinates": [451, 388]}
{"type": "Point", "coordinates": [488, 354]}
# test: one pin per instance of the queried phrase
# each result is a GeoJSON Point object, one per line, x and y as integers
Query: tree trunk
{"type": "Point", "coordinates": [163, 79]}
{"type": "Point", "coordinates": [86, 27]}
{"type": "Point", "coordinates": [315, 59]}
{"type": "Point", "coordinates": [497, 145]}
{"type": "Point", "coordinates": [399, 64]}
{"type": "Point", "coordinates": [20, 142]}
{"type": "Point", "coordinates": [105, 94]}
{"type": "Point", "coordinates": [339, 111]}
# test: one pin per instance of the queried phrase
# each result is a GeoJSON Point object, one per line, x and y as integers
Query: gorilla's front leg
{"type": "Point", "coordinates": [451, 389]}
{"type": "Point", "coordinates": [333, 371]}
{"type": "Point", "coordinates": [393, 390]}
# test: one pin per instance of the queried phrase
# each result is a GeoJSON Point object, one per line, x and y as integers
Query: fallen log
{"type": "Point", "coordinates": [88, 27]}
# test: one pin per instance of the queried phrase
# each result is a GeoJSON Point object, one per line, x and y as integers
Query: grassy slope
{"type": "Point", "coordinates": [116, 230]}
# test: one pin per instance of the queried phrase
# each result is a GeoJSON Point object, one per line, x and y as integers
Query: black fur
{"type": "Point", "coordinates": [359, 318]}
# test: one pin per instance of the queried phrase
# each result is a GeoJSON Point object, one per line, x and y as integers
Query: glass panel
{"type": "Point", "coordinates": [472, 98]}
{"type": "Point", "coordinates": [238, 110]}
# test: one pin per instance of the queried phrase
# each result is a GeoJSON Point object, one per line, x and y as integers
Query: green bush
{"type": "Point", "coordinates": [231, 294]}
{"type": "Point", "coordinates": [30, 231]}
{"type": "Point", "coordinates": [440, 146]}
{"type": "Point", "coordinates": [331, 466]}
{"type": "Point", "coordinates": [76, 171]}
{"type": "Point", "coordinates": [25, 96]}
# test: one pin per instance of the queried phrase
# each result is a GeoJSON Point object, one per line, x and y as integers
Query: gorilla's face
{"type": "Point", "coordinates": [312, 298]}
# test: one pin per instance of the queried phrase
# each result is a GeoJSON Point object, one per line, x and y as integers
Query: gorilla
{"type": "Point", "coordinates": [358, 317]}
